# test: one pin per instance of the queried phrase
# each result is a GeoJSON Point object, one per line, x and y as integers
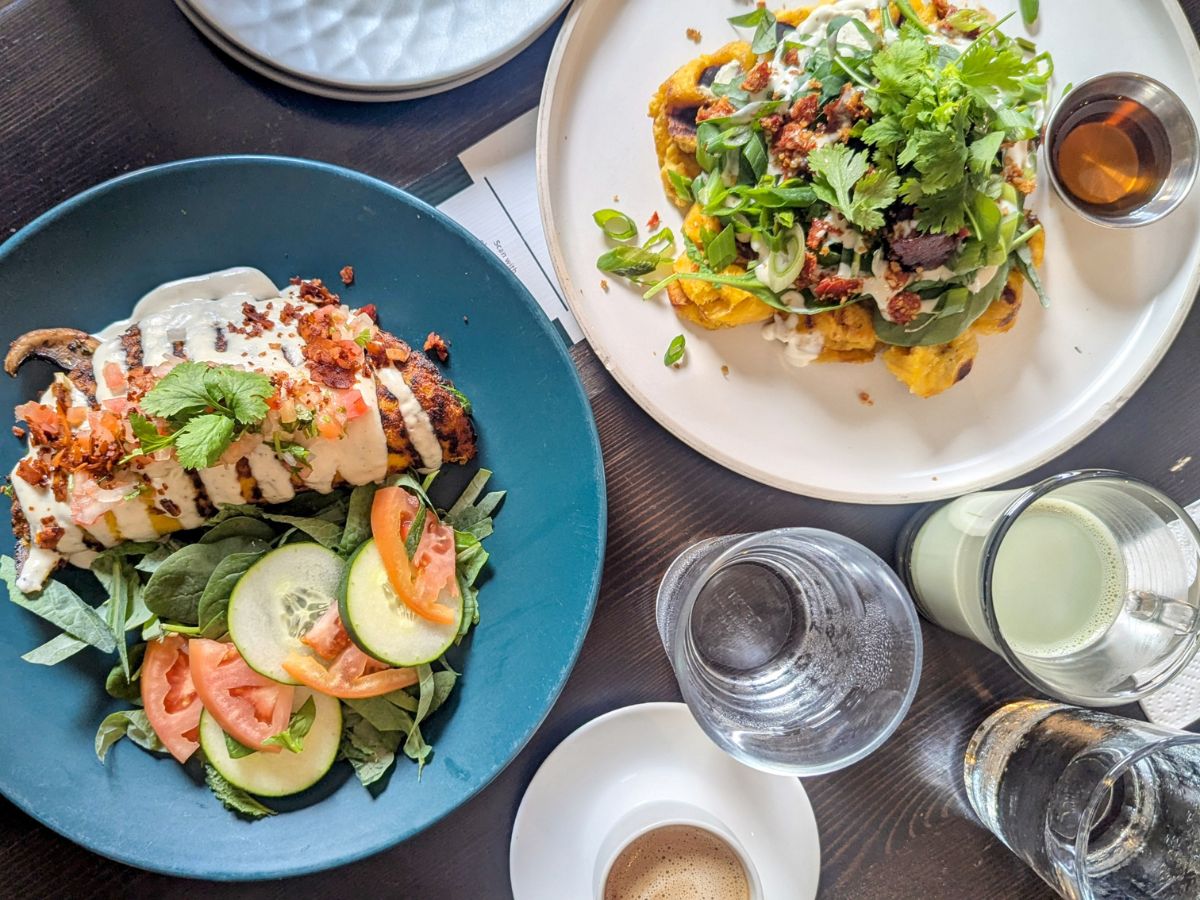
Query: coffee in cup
{"type": "Point", "coordinates": [677, 862]}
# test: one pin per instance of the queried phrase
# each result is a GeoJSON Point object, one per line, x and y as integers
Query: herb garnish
{"type": "Point", "coordinates": [206, 408]}
{"type": "Point", "coordinates": [675, 351]}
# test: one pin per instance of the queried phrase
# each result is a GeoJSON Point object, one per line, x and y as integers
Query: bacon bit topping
{"type": "Point", "coordinates": [834, 288]}
{"type": "Point", "coordinates": [758, 78]}
{"type": "Point", "coordinates": [50, 533]}
{"type": "Point", "coordinates": [371, 312]}
{"type": "Point", "coordinates": [817, 232]}
{"type": "Point", "coordinates": [254, 323]}
{"type": "Point", "coordinates": [436, 345]}
{"type": "Point", "coordinates": [694, 35]}
{"type": "Point", "coordinates": [771, 124]}
{"type": "Point", "coordinates": [347, 275]}
{"type": "Point", "coordinates": [792, 146]}
{"type": "Point", "coordinates": [290, 314]}
{"type": "Point", "coordinates": [804, 111]}
{"type": "Point", "coordinates": [314, 291]}
{"type": "Point", "coordinates": [603, 287]}
{"type": "Point", "coordinates": [902, 308]}
{"type": "Point", "coordinates": [848, 108]}
{"type": "Point", "coordinates": [808, 273]}
{"type": "Point", "coordinates": [715, 110]}
{"type": "Point", "coordinates": [32, 471]}
{"type": "Point", "coordinates": [18, 432]}
{"type": "Point", "coordinates": [654, 222]}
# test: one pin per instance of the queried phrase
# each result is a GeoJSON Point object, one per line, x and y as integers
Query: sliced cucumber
{"type": "Point", "coordinates": [277, 600]}
{"type": "Point", "coordinates": [283, 773]}
{"type": "Point", "coordinates": [379, 622]}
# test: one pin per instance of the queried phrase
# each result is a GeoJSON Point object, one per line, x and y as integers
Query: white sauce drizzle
{"type": "Point", "coordinates": [800, 346]}
{"type": "Point", "coordinates": [191, 310]}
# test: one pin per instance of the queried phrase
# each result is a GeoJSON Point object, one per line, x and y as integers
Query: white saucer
{"type": "Point", "coordinates": [311, 87]}
{"type": "Point", "coordinates": [654, 753]}
{"type": "Point", "coordinates": [380, 44]}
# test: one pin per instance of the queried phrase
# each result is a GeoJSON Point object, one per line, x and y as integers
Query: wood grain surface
{"type": "Point", "coordinates": [92, 89]}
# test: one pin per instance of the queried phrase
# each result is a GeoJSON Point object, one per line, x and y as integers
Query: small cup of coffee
{"type": "Point", "coordinates": [677, 857]}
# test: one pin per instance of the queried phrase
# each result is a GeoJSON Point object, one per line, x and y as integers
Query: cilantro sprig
{"type": "Point", "coordinates": [206, 409]}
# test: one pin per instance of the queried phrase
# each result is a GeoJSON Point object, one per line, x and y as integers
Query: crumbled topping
{"type": "Point", "coordinates": [347, 275]}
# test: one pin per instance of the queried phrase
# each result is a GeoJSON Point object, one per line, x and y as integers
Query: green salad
{"type": "Point", "coordinates": [866, 154]}
{"type": "Point", "coordinates": [271, 642]}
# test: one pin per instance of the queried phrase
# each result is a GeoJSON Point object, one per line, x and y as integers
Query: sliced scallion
{"type": "Point", "coordinates": [615, 224]}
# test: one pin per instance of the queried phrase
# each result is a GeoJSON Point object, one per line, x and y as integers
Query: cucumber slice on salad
{"type": "Point", "coordinates": [379, 622]}
{"type": "Point", "coordinates": [277, 600]}
{"type": "Point", "coordinates": [284, 773]}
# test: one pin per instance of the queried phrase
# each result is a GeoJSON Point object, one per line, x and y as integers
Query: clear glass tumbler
{"type": "Point", "coordinates": [1101, 807]}
{"type": "Point", "coordinates": [1088, 583]}
{"type": "Point", "coordinates": [798, 651]}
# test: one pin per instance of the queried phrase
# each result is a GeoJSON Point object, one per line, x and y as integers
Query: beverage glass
{"type": "Point", "coordinates": [798, 651]}
{"type": "Point", "coordinates": [1101, 807]}
{"type": "Point", "coordinates": [1088, 583]}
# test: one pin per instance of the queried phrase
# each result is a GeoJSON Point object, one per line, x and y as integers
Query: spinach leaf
{"type": "Point", "coordinates": [234, 798]}
{"type": "Point", "coordinates": [239, 526]}
{"type": "Point", "coordinates": [325, 531]}
{"type": "Point", "coordinates": [131, 723]}
{"type": "Point", "coordinates": [121, 686]}
{"type": "Point", "coordinates": [301, 722]}
{"type": "Point", "coordinates": [155, 558]}
{"type": "Point", "coordinates": [61, 606]}
{"type": "Point", "coordinates": [358, 519]}
{"type": "Point", "coordinates": [214, 601]}
{"type": "Point", "coordinates": [370, 751]}
{"type": "Point", "coordinates": [929, 330]}
{"type": "Point", "coordinates": [177, 585]}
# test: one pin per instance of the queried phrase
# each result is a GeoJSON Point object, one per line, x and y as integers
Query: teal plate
{"type": "Point", "coordinates": [84, 264]}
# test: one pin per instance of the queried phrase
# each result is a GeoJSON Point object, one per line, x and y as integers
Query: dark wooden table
{"type": "Point", "coordinates": [92, 89]}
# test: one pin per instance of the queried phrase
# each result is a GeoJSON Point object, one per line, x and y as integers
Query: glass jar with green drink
{"type": "Point", "coordinates": [1088, 583]}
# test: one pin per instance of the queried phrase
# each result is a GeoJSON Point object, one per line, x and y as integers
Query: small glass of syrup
{"type": "Point", "coordinates": [1122, 150]}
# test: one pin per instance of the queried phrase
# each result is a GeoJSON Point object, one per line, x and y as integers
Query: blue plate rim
{"type": "Point", "coordinates": [16, 240]}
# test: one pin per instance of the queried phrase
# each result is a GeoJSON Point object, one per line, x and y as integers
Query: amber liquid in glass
{"type": "Point", "coordinates": [1111, 155]}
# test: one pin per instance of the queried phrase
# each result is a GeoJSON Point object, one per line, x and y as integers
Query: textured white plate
{"type": "Point", "coordinates": [1119, 297]}
{"type": "Point", "coordinates": [654, 753]}
{"type": "Point", "coordinates": [313, 87]}
{"type": "Point", "coordinates": [392, 45]}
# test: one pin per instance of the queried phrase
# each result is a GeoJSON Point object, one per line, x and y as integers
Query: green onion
{"type": "Point", "coordinates": [681, 184]}
{"type": "Point", "coordinates": [722, 250]}
{"type": "Point", "coordinates": [1029, 11]}
{"type": "Point", "coordinates": [615, 224]}
{"type": "Point", "coordinates": [911, 14]}
{"type": "Point", "coordinates": [631, 262]}
{"type": "Point", "coordinates": [675, 351]}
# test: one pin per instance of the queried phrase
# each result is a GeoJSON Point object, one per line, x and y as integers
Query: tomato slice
{"type": "Point", "coordinates": [327, 637]}
{"type": "Point", "coordinates": [249, 707]}
{"type": "Point", "coordinates": [352, 675]}
{"type": "Point", "coordinates": [392, 514]}
{"type": "Point", "coordinates": [170, 698]}
{"type": "Point", "coordinates": [435, 562]}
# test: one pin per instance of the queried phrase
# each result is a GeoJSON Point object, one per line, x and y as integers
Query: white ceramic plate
{"type": "Point", "coordinates": [1119, 297]}
{"type": "Point", "coordinates": [380, 44]}
{"type": "Point", "coordinates": [318, 88]}
{"type": "Point", "coordinates": [654, 753]}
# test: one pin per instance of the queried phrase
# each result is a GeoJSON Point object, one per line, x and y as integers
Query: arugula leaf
{"type": "Point", "coordinates": [234, 798]}
{"type": "Point", "coordinates": [982, 152]}
{"type": "Point", "coordinates": [301, 722]}
{"type": "Point", "coordinates": [131, 723]}
{"type": "Point", "coordinates": [370, 751]}
{"type": "Point", "coordinates": [61, 606]}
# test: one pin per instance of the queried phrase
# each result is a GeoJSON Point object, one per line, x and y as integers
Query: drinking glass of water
{"type": "Point", "coordinates": [1102, 808]}
{"type": "Point", "coordinates": [798, 651]}
{"type": "Point", "coordinates": [1087, 583]}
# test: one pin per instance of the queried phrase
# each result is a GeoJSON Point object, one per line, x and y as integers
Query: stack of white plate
{"type": "Point", "coordinates": [372, 50]}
